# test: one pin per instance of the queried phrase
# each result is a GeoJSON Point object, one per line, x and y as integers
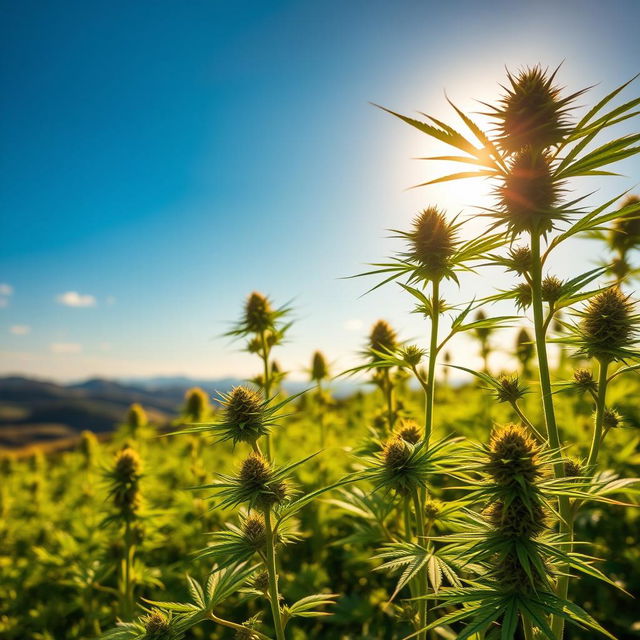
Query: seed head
{"type": "Point", "coordinates": [157, 626]}
{"type": "Point", "coordinates": [261, 581]}
{"type": "Point", "coordinates": [256, 477]}
{"type": "Point", "coordinates": [509, 390]}
{"type": "Point", "coordinates": [532, 113]}
{"type": "Point", "coordinates": [196, 404]}
{"type": "Point", "coordinates": [396, 453]}
{"type": "Point", "coordinates": [432, 242]}
{"type": "Point", "coordinates": [520, 260]}
{"type": "Point", "coordinates": [127, 466]}
{"type": "Point", "coordinates": [584, 380]}
{"type": "Point", "coordinates": [136, 417]}
{"type": "Point", "coordinates": [382, 338]}
{"type": "Point", "coordinates": [625, 234]}
{"type": "Point", "coordinates": [88, 447]}
{"type": "Point", "coordinates": [573, 467]}
{"type": "Point", "coordinates": [517, 520]}
{"type": "Point", "coordinates": [432, 509]}
{"type": "Point", "coordinates": [523, 295]}
{"type": "Point", "coordinates": [253, 530]}
{"type": "Point", "coordinates": [319, 367]}
{"type": "Point", "coordinates": [255, 472]}
{"type": "Point", "coordinates": [608, 324]}
{"type": "Point", "coordinates": [529, 192]}
{"type": "Point", "coordinates": [412, 355]}
{"type": "Point", "coordinates": [125, 476]}
{"type": "Point", "coordinates": [244, 414]}
{"type": "Point", "coordinates": [258, 313]}
{"type": "Point", "coordinates": [524, 347]}
{"type": "Point", "coordinates": [409, 431]}
{"type": "Point", "coordinates": [512, 453]}
{"type": "Point", "coordinates": [482, 333]}
{"type": "Point", "coordinates": [551, 289]}
{"type": "Point", "coordinates": [611, 419]}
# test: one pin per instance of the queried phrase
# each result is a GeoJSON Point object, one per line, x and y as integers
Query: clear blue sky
{"type": "Point", "coordinates": [162, 159]}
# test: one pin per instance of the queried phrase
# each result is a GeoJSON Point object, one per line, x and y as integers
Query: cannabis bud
{"type": "Point", "coordinates": [509, 389]}
{"type": "Point", "coordinates": [584, 380]}
{"type": "Point", "coordinates": [157, 626]}
{"type": "Point", "coordinates": [257, 478]}
{"type": "Point", "coordinates": [432, 241]}
{"type": "Point", "coordinates": [253, 530]}
{"type": "Point", "coordinates": [523, 295]}
{"type": "Point", "coordinates": [607, 325]}
{"type": "Point", "coordinates": [551, 289]}
{"type": "Point", "coordinates": [482, 333]}
{"type": "Point", "coordinates": [382, 338]}
{"type": "Point", "coordinates": [524, 347]}
{"type": "Point", "coordinates": [572, 467]}
{"type": "Point", "coordinates": [396, 453]}
{"type": "Point", "coordinates": [432, 509]}
{"type": "Point", "coordinates": [412, 355]}
{"type": "Point", "coordinates": [625, 234]}
{"type": "Point", "coordinates": [409, 431]}
{"type": "Point", "coordinates": [196, 404]}
{"type": "Point", "coordinates": [519, 260]}
{"type": "Point", "coordinates": [258, 313]}
{"type": "Point", "coordinates": [125, 476]}
{"type": "Point", "coordinates": [136, 417]}
{"type": "Point", "coordinates": [529, 192]}
{"type": "Point", "coordinates": [319, 367]}
{"type": "Point", "coordinates": [532, 113]}
{"type": "Point", "coordinates": [513, 453]}
{"type": "Point", "coordinates": [88, 447]}
{"type": "Point", "coordinates": [611, 419]}
{"type": "Point", "coordinates": [244, 414]}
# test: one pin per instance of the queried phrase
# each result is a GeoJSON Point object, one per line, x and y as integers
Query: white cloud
{"type": "Point", "coordinates": [75, 299]}
{"type": "Point", "coordinates": [20, 329]}
{"type": "Point", "coordinates": [5, 289]}
{"type": "Point", "coordinates": [353, 324]}
{"type": "Point", "coordinates": [65, 347]}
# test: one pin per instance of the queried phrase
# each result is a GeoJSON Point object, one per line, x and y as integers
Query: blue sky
{"type": "Point", "coordinates": [160, 160]}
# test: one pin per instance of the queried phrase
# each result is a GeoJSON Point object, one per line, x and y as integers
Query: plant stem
{"type": "Point", "coordinates": [274, 596]}
{"type": "Point", "coordinates": [127, 605]}
{"type": "Point", "coordinates": [266, 385]}
{"type": "Point", "coordinates": [600, 409]}
{"type": "Point", "coordinates": [388, 396]}
{"type": "Point", "coordinates": [433, 354]}
{"type": "Point", "coordinates": [553, 435]}
{"type": "Point", "coordinates": [232, 625]}
{"type": "Point", "coordinates": [422, 585]}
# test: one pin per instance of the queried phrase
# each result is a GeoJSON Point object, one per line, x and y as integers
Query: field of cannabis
{"type": "Point", "coordinates": [504, 507]}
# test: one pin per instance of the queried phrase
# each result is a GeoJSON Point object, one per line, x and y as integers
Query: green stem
{"type": "Point", "coordinates": [127, 607]}
{"type": "Point", "coordinates": [433, 354]}
{"type": "Point", "coordinates": [274, 596]}
{"type": "Point", "coordinates": [600, 409]}
{"type": "Point", "coordinates": [388, 396]}
{"type": "Point", "coordinates": [422, 586]}
{"type": "Point", "coordinates": [408, 530]}
{"type": "Point", "coordinates": [232, 625]}
{"type": "Point", "coordinates": [553, 434]}
{"type": "Point", "coordinates": [266, 385]}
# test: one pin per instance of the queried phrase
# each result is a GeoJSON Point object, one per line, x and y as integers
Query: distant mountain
{"type": "Point", "coordinates": [42, 411]}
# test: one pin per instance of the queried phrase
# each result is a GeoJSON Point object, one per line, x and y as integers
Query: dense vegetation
{"type": "Point", "coordinates": [414, 509]}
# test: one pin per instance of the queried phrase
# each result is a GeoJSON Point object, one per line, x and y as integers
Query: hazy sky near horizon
{"type": "Point", "coordinates": [161, 160]}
